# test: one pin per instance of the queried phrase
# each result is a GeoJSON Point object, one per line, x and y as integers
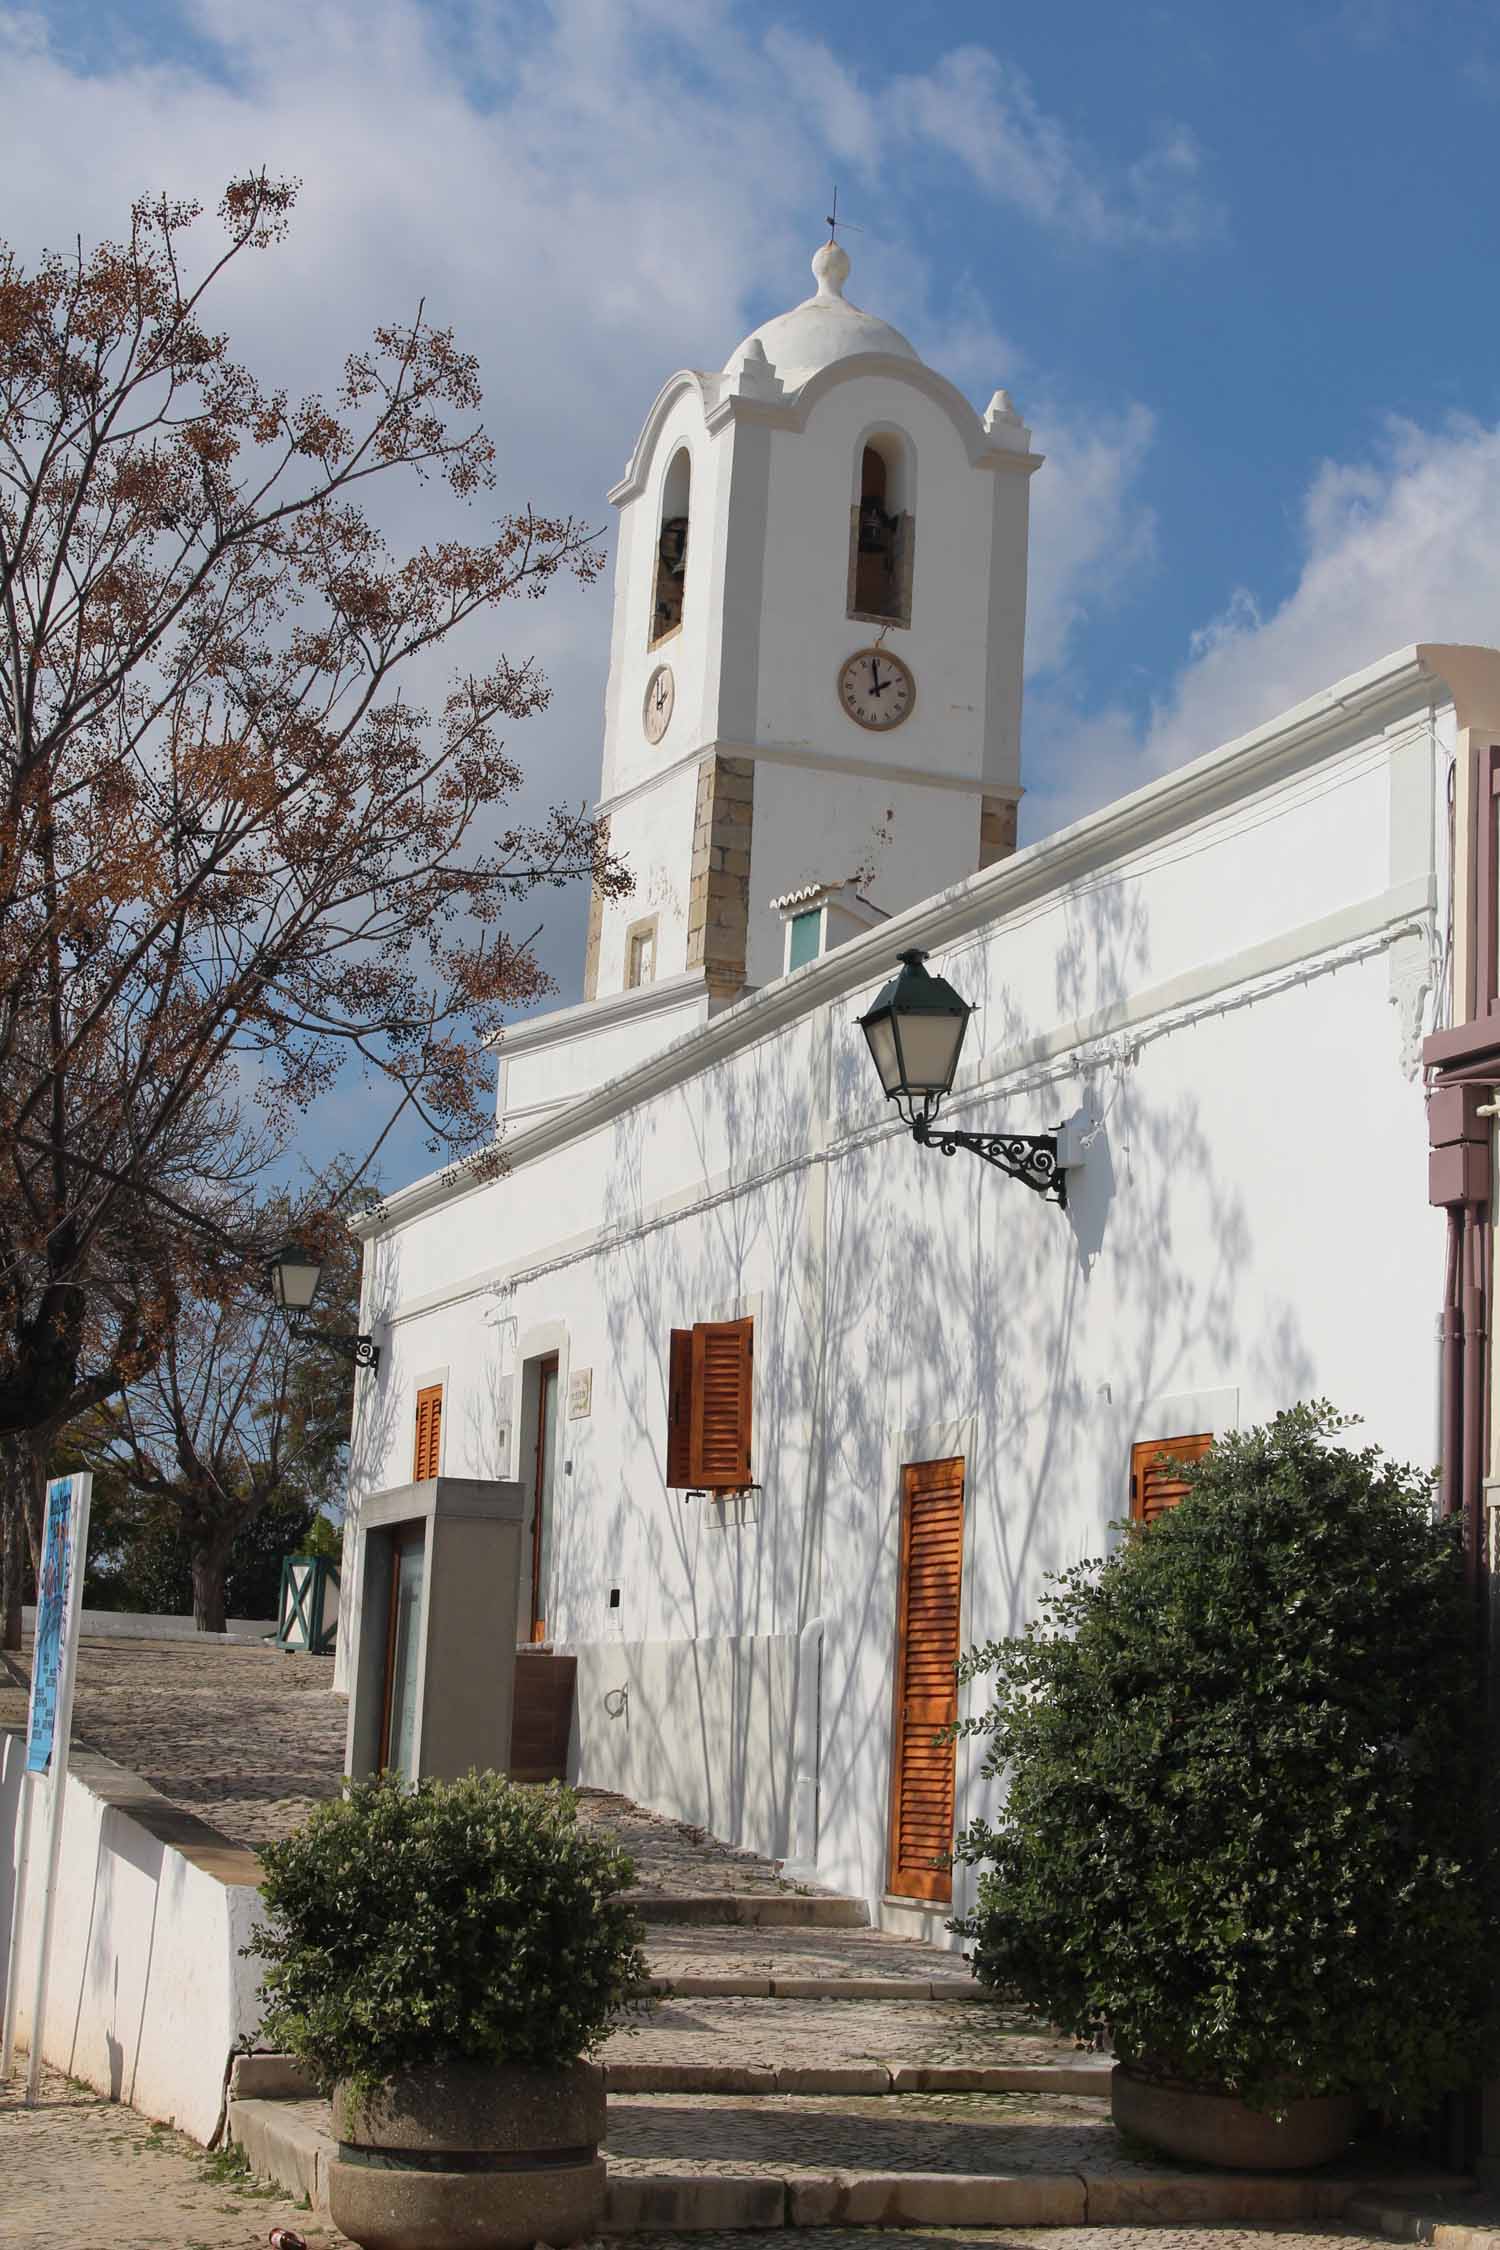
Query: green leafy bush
{"type": "Point", "coordinates": [1243, 1825]}
{"type": "Point", "coordinates": [471, 1921]}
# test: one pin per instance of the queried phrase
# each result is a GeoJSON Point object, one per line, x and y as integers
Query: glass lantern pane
{"type": "Point", "coordinates": [929, 1050]}
{"type": "Point", "coordinates": [296, 1282]}
{"type": "Point", "coordinates": [882, 1037]}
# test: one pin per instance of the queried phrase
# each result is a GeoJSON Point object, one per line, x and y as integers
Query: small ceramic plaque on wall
{"type": "Point", "coordinates": [580, 1393]}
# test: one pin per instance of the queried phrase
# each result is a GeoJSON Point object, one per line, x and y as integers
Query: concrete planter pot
{"type": "Point", "coordinates": [1206, 2126]}
{"type": "Point", "coordinates": [471, 2156]}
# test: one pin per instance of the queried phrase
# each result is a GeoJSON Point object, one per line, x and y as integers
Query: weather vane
{"type": "Point", "coordinates": [835, 222]}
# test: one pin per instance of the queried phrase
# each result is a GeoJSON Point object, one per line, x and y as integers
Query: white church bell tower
{"type": "Point", "coordinates": [815, 673]}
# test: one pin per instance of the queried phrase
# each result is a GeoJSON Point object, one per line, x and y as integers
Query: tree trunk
{"type": "Point", "coordinates": [12, 1546]}
{"type": "Point", "coordinates": [210, 1559]}
{"type": "Point", "coordinates": [27, 1453]}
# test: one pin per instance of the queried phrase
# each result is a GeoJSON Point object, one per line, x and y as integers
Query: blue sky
{"type": "Point", "coordinates": [1237, 265]}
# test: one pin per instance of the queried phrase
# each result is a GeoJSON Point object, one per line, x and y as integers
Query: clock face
{"type": "Point", "coordinates": [876, 689]}
{"type": "Point", "coordinates": [661, 694]}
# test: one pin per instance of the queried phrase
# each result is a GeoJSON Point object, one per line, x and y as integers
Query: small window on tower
{"type": "Point", "coordinates": [671, 548]}
{"type": "Point", "coordinates": [640, 953]}
{"type": "Point", "coordinates": [804, 938]}
{"type": "Point", "coordinates": [881, 533]}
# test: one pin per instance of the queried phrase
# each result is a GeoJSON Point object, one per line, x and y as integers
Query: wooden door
{"type": "Point", "coordinates": [927, 1647]}
{"type": "Point", "coordinates": [544, 1470]}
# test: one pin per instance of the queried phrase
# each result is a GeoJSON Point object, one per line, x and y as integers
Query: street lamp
{"type": "Point", "coordinates": [915, 1032]}
{"type": "Point", "coordinates": [294, 1276]}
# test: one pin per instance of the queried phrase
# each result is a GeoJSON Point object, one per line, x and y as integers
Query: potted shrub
{"type": "Point", "coordinates": [443, 1960]}
{"type": "Point", "coordinates": [1242, 1827]}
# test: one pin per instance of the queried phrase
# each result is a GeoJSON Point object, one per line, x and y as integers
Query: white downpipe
{"type": "Point", "coordinates": [807, 1744]}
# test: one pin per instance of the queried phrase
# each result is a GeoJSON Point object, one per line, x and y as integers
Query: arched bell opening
{"type": "Point", "coordinates": [882, 532]}
{"type": "Point", "coordinates": [672, 548]}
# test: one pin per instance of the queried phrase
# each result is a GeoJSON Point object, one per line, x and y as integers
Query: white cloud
{"type": "Point", "coordinates": [592, 194]}
{"type": "Point", "coordinates": [1396, 548]}
{"type": "Point", "coordinates": [1092, 538]}
{"type": "Point", "coordinates": [982, 111]}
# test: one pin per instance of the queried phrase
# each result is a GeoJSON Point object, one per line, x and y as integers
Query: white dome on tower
{"type": "Point", "coordinates": [823, 328]}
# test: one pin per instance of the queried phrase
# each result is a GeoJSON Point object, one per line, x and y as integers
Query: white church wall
{"type": "Point", "coordinates": [1217, 995]}
{"type": "Point", "coordinates": [552, 1059]}
{"type": "Point", "coordinates": [653, 833]}
{"type": "Point", "coordinates": [1228, 1240]}
{"type": "Point", "coordinates": [812, 826]}
{"type": "Point", "coordinates": [729, 1768]}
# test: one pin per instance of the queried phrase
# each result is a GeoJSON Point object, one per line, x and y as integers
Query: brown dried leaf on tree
{"type": "Point", "coordinates": [230, 848]}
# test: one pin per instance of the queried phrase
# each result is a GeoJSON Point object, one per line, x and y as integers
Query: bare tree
{"type": "Point", "coordinates": [212, 1432]}
{"type": "Point", "coordinates": [229, 842]}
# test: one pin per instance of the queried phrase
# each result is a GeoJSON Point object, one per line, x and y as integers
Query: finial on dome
{"type": "Point", "coordinates": [831, 269]}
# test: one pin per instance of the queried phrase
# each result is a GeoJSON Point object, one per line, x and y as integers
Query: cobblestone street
{"type": "Point", "coordinates": [250, 1740]}
{"type": "Point", "coordinates": [80, 2173]}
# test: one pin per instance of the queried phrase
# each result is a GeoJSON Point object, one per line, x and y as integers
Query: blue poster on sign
{"type": "Point", "coordinates": [55, 1620]}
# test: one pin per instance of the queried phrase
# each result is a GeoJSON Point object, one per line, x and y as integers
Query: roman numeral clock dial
{"type": "Point", "coordinates": [876, 689]}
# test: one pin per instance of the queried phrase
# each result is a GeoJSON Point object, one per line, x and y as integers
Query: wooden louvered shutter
{"type": "Point", "coordinates": [1153, 1487]}
{"type": "Point", "coordinates": [927, 1638]}
{"type": "Point", "coordinates": [427, 1450]}
{"type": "Point", "coordinates": [723, 1379]}
{"type": "Point", "coordinates": [680, 1408]}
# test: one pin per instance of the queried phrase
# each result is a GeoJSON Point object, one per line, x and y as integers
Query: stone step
{"type": "Point", "coordinates": [812, 1988]}
{"type": "Point", "coordinates": [832, 2163]}
{"type": "Point", "coordinates": [767, 2034]}
{"type": "Point", "coordinates": [264, 2079]}
{"type": "Point", "coordinates": [803, 1963]}
{"type": "Point", "coordinates": [1087, 2078]}
{"type": "Point", "coordinates": [766, 1909]}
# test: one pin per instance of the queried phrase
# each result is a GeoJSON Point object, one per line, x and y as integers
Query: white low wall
{"type": "Point", "coordinates": [133, 1625]}
{"type": "Point", "coordinates": [702, 1730]}
{"type": "Point", "coordinates": [148, 1995]}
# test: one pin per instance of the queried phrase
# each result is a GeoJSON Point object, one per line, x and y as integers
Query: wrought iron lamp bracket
{"type": "Point", "coordinates": [363, 1351]}
{"type": "Point", "coordinates": [1030, 1158]}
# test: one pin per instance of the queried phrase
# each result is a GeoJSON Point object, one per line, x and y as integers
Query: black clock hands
{"type": "Point", "coordinates": [878, 686]}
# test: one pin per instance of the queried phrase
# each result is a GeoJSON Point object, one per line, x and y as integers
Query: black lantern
{"type": "Point", "coordinates": [916, 1033]}
{"type": "Point", "coordinates": [294, 1276]}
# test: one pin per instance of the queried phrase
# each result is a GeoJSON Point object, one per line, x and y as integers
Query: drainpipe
{"type": "Point", "coordinates": [1476, 1324]}
{"type": "Point", "coordinates": [1450, 1373]}
{"type": "Point", "coordinates": [1458, 1180]}
{"type": "Point", "coordinates": [807, 1740]}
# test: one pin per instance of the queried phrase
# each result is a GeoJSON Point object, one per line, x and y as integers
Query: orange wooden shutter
{"type": "Point", "coordinates": [429, 1432]}
{"type": "Point", "coordinates": [1153, 1488]}
{"type": "Point", "coordinates": [722, 1393]}
{"type": "Point", "coordinates": [680, 1408]}
{"type": "Point", "coordinates": [927, 1636]}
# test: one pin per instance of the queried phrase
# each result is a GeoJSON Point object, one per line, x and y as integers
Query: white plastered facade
{"type": "Point", "coordinates": [1220, 983]}
{"type": "Point", "coordinates": [1218, 986]}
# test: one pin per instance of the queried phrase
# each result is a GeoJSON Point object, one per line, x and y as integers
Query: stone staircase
{"type": "Point", "coordinates": [791, 2067]}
